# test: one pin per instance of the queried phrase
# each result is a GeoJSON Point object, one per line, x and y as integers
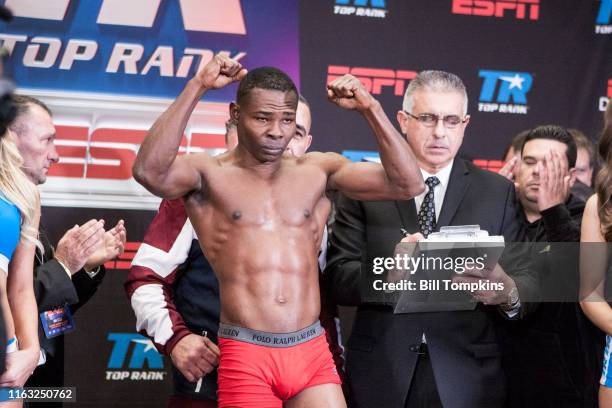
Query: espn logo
{"type": "Point", "coordinates": [498, 8]}
{"type": "Point", "coordinates": [374, 79]}
{"type": "Point", "coordinates": [492, 165]}
{"type": "Point", "coordinates": [219, 16]}
{"type": "Point", "coordinates": [109, 153]}
{"type": "Point", "coordinates": [124, 261]}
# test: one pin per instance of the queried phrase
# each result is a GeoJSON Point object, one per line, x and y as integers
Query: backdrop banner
{"type": "Point", "coordinates": [524, 63]}
{"type": "Point", "coordinates": [109, 68]}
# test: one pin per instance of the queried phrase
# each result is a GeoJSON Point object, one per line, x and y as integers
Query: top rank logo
{"type": "Point", "coordinates": [513, 87]}
{"type": "Point", "coordinates": [365, 8]}
{"type": "Point", "coordinates": [143, 354]}
{"type": "Point", "coordinates": [221, 16]}
{"type": "Point", "coordinates": [95, 38]}
{"type": "Point", "coordinates": [498, 8]}
{"type": "Point", "coordinates": [602, 23]}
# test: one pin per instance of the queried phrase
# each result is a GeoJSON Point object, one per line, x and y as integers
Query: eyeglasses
{"type": "Point", "coordinates": [431, 119]}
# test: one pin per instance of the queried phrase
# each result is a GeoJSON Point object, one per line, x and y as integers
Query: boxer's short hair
{"type": "Point", "coordinates": [268, 78]}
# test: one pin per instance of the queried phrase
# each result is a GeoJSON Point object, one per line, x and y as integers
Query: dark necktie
{"type": "Point", "coordinates": [427, 213]}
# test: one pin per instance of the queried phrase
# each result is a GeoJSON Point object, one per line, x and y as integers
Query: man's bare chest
{"type": "Point", "coordinates": [293, 196]}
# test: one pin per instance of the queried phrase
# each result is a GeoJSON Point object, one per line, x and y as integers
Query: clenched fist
{"type": "Point", "coordinates": [195, 356]}
{"type": "Point", "coordinates": [220, 71]}
{"type": "Point", "coordinates": [349, 93]}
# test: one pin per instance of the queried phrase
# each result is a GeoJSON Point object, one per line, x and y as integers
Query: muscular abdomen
{"type": "Point", "coordinates": [267, 271]}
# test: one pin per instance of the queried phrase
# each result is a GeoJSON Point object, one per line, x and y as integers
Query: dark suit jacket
{"type": "Point", "coordinates": [464, 347]}
{"type": "Point", "coordinates": [52, 288]}
{"type": "Point", "coordinates": [553, 357]}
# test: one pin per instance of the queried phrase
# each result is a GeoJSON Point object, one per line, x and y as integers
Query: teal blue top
{"type": "Point", "coordinates": [10, 229]}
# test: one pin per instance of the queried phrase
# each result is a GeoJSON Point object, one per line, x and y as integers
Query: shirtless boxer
{"type": "Point", "coordinates": [259, 216]}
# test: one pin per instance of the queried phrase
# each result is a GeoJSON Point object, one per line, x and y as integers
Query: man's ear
{"type": "Point", "coordinates": [309, 137]}
{"type": "Point", "coordinates": [572, 174]}
{"type": "Point", "coordinates": [401, 119]}
{"type": "Point", "coordinates": [234, 111]}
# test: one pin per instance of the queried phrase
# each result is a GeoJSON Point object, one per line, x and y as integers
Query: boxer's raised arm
{"type": "Point", "coordinates": [157, 166]}
{"type": "Point", "coordinates": [359, 181]}
{"type": "Point", "coordinates": [399, 176]}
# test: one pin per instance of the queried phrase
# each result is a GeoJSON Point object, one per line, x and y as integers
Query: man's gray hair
{"type": "Point", "coordinates": [436, 81]}
{"type": "Point", "coordinates": [22, 104]}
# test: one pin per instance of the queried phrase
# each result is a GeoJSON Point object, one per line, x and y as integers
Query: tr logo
{"type": "Point", "coordinates": [143, 351]}
{"type": "Point", "coordinates": [362, 3]}
{"type": "Point", "coordinates": [605, 12]}
{"type": "Point", "coordinates": [513, 85]}
{"type": "Point", "coordinates": [363, 8]}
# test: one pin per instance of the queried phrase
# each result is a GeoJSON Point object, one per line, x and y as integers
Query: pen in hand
{"type": "Point", "coordinates": [199, 383]}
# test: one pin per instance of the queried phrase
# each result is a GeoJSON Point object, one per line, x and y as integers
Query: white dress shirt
{"type": "Point", "coordinates": [439, 192]}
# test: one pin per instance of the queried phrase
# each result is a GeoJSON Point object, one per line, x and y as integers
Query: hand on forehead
{"type": "Point", "coordinates": [546, 149]}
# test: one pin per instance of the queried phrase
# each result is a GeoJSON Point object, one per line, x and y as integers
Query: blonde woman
{"type": "Point", "coordinates": [19, 216]}
{"type": "Point", "coordinates": [595, 258]}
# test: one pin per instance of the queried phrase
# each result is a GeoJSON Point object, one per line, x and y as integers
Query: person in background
{"type": "Point", "coordinates": [551, 355]}
{"type": "Point", "coordinates": [512, 155]}
{"type": "Point", "coordinates": [19, 219]}
{"type": "Point", "coordinates": [66, 276]}
{"type": "Point", "coordinates": [585, 164]}
{"type": "Point", "coordinates": [595, 256]}
{"type": "Point", "coordinates": [448, 358]}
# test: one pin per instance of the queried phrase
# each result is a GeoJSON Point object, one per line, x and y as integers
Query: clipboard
{"type": "Point", "coordinates": [443, 255]}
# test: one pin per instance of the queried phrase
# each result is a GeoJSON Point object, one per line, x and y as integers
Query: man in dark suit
{"type": "Point", "coordinates": [434, 359]}
{"type": "Point", "coordinates": [67, 276]}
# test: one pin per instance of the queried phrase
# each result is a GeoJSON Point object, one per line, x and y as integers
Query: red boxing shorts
{"type": "Point", "coordinates": [260, 369]}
